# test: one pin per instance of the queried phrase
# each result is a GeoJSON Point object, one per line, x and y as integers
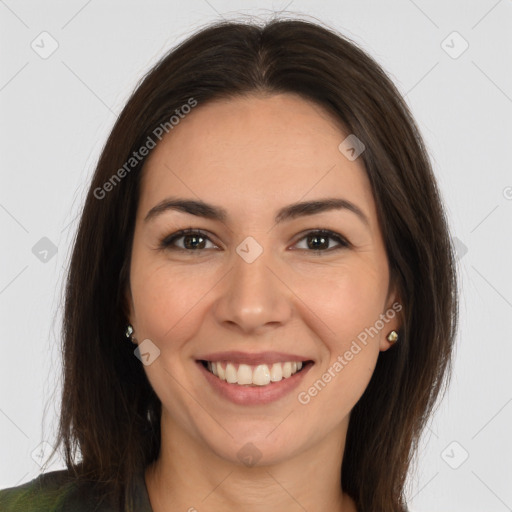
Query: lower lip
{"type": "Point", "coordinates": [254, 395]}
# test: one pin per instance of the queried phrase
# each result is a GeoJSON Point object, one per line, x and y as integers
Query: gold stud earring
{"type": "Point", "coordinates": [392, 337]}
{"type": "Point", "coordinates": [129, 332]}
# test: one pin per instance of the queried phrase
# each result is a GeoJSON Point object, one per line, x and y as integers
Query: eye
{"type": "Point", "coordinates": [318, 240]}
{"type": "Point", "coordinates": [194, 240]}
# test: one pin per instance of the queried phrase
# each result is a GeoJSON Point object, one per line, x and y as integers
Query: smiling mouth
{"type": "Point", "coordinates": [254, 375]}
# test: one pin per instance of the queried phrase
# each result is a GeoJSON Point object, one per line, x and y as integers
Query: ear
{"type": "Point", "coordinates": [392, 319]}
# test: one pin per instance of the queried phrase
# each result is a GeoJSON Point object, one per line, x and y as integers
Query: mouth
{"type": "Point", "coordinates": [254, 375]}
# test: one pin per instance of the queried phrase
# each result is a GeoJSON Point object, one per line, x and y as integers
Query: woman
{"type": "Point", "coordinates": [265, 228]}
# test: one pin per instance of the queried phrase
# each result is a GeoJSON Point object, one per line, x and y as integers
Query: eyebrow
{"type": "Point", "coordinates": [201, 209]}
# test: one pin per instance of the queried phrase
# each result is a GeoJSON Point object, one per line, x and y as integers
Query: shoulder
{"type": "Point", "coordinates": [54, 491]}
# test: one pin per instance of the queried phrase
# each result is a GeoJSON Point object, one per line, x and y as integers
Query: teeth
{"type": "Point", "coordinates": [276, 372]}
{"type": "Point", "coordinates": [244, 374]}
{"type": "Point", "coordinates": [231, 374]}
{"type": "Point", "coordinates": [260, 375]}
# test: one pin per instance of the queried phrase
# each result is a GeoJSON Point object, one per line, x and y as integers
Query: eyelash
{"type": "Point", "coordinates": [167, 241]}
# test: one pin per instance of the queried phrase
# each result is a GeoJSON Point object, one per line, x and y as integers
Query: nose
{"type": "Point", "coordinates": [254, 296]}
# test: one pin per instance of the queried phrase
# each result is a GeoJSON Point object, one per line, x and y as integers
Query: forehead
{"type": "Point", "coordinates": [255, 153]}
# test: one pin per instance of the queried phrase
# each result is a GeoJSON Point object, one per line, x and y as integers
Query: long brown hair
{"type": "Point", "coordinates": [110, 414]}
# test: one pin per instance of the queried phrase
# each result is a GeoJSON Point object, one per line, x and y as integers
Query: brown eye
{"type": "Point", "coordinates": [193, 240]}
{"type": "Point", "coordinates": [319, 241]}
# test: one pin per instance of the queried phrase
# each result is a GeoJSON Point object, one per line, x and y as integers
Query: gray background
{"type": "Point", "coordinates": [56, 113]}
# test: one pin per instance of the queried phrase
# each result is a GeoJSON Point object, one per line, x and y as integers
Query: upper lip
{"type": "Point", "coordinates": [253, 358]}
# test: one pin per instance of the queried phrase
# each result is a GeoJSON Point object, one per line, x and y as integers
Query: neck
{"type": "Point", "coordinates": [189, 476]}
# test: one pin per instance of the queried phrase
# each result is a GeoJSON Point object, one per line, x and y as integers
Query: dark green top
{"type": "Point", "coordinates": [55, 491]}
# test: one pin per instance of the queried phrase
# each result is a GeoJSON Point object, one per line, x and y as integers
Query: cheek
{"type": "Point", "coordinates": [347, 307]}
{"type": "Point", "coordinates": [347, 302]}
{"type": "Point", "coordinates": [166, 297]}
{"type": "Point", "coordinates": [347, 299]}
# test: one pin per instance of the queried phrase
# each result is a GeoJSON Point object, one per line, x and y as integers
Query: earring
{"type": "Point", "coordinates": [392, 337]}
{"type": "Point", "coordinates": [129, 332]}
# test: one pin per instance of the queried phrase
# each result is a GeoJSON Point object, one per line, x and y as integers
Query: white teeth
{"type": "Point", "coordinates": [276, 373]}
{"type": "Point", "coordinates": [259, 375]}
{"type": "Point", "coordinates": [231, 374]}
{"type": "Point", "coordinates": [244, 374]}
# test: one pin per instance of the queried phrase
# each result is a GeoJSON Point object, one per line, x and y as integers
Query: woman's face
{"type": "Point", "coordinates": [266, 287]}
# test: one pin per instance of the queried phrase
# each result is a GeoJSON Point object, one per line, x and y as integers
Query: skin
{"type": "Point", "coordinates": [252, 156]}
